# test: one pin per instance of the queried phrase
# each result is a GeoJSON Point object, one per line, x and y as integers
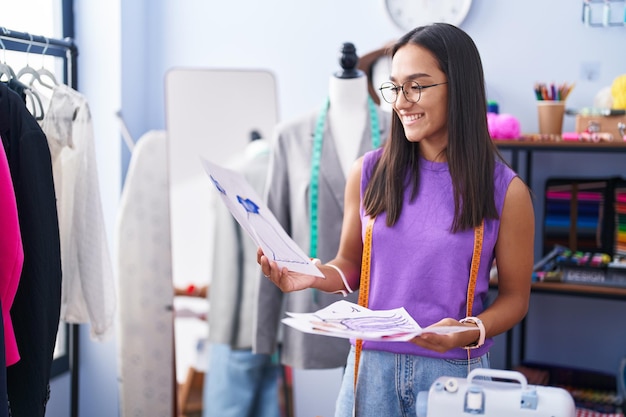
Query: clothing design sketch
{"type": "Point", "coordinates": [348, 320]}
{"type": "Point", "coordinates": [367, 323]}
{"type": "Point", "coordinates": [344, 316]}
{"type": "Point", "coordinates": [280, 249]}
{"type": "Point", "coordinates": [231, 206]}
{"type": "Point", "coordinates": [257, 220]}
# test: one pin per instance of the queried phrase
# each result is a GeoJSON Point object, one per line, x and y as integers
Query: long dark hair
{"type": "Point", "coordinates": [471, 154]}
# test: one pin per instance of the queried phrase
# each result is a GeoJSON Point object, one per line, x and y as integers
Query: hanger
{"type": "Point", "coordinates": [44, 72]}
{"type": "Point", "coordinates": [32, 97]}
{"type": "Point", "coordinates": [36, 106]}
{"type": "Point", "coordinates": [28, 70]}
{"type": "Point", "coordinates": [5, 69]}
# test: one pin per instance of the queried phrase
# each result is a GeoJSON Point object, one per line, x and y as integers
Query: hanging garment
{"type": "Point", "coordinates": [17, 86]}
{"type": "Point", "coordinates": [239, 382]}
{"type": "Point", "coordinates": [235, 271]}
{"type": "Point", "coordinates": [145, 319]}
{"type": "Point", "coordinates": [35, 310]}
{"type": "Point", "coordinates": [88, 293]}
{"type": "Point", "coordinates": [288, 198]}
{"type": "Point", "coordinates": [11, 256]}
{"type": "Point", "coordinates": [11, 261]}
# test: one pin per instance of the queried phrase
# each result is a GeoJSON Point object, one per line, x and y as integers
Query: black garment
{"type": "Point", "coordinates": [17, 86]}
{"type": "Point", "coordinates": [36, 308]}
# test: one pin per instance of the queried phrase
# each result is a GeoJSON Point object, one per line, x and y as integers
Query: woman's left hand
{"type": "Point", "coordinates": [444, 342]}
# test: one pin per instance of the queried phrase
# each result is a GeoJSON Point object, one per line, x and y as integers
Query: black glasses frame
{"type": "Point", "coordinates": [391, 88]}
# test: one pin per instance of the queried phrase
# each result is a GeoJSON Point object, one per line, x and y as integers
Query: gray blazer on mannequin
{"type": "Point", "coordinates": [287, 196]}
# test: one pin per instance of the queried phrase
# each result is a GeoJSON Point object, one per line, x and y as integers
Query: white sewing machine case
{"type": "Point", "coordinates": [493, 393]}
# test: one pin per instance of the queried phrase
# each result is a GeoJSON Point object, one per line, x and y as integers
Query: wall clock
{"type": "Point", "coordinates": [409, 14]}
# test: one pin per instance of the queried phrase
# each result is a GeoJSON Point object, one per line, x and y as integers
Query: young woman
{"type": "Point", "coordinates": [437, 179]}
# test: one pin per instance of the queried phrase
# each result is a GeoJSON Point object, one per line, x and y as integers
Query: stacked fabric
{"type": "Point", "coordinates": [620, 222]}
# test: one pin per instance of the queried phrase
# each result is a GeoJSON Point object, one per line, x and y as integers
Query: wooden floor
{"type": "Point", "coordinates": [190, 394]}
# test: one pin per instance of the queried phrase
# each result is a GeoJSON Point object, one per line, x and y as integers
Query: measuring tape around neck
{"type": "Point", "coordinates": [318, 139]}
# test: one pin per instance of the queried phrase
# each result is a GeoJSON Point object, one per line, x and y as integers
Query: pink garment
{"type": "Point", "coordinates": [11, 256]}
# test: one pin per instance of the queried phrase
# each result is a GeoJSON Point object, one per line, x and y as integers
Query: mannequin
{"type": "Point", "coordinates": [347, 126]}
{"type": "Point", "coordinates": [347, 114]}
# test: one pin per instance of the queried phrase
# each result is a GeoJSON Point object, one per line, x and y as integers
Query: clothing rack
{"type": "Point", "coordinates": [12, 40]}
{"type": "Point", "coordinates": [64, 48]}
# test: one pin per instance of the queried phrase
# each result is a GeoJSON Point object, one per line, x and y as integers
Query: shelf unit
{"type": "Point", "coordinates": [522, 152]}
{"type": "Point", "coordinates": [517, 146]}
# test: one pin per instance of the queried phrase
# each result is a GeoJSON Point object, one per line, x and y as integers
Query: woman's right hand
{"type": "Point", "coordinates": [283, 278]}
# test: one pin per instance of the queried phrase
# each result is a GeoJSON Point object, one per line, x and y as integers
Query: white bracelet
{"type": "Point", "coordinates": [481, 328]}
{"type": "Point", "coordinates": [343, 278]}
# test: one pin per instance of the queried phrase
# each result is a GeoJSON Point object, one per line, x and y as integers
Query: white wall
{"type": "Point", "coordinates": [520, 43]}
{"type": "Point", "coordinates": [126, 49]}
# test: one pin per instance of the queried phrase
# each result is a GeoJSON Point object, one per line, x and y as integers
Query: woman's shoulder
{"type": "Point", "coordinates": [503, 172]}
{"type": "Point", "coordinates": [369, 159]}
{"type": "Point", "coordinates": [372, 156]}
{"type": "Point", "coordinates": [504, 176]}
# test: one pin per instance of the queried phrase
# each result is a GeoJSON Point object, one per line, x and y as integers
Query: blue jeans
{"type": "Point", "coordinates": [388, 383]}
{"type": "Point", "coordinates": [240, 383]}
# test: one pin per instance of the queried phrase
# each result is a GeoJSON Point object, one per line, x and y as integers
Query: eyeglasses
{"type": "Point", "coordinates": [412, 91]}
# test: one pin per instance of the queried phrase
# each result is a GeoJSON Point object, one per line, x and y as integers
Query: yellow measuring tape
{"type": "Point", "coordinates": [364, 284]}
{"type": "Point", "coordinates": [364, 288]}
{"type": "Point", "coordinates": [471, 285]}
{"type": "Point", "coordinates": [478, 248]}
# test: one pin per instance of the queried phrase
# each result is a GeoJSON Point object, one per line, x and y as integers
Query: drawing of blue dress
{"type": "Point", "coordinates": [281, 250]}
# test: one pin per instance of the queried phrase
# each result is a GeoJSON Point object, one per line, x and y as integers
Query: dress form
{"type": "Point", "coordinates": [305, 177]}
{"type": "Point", "coordinates": [348, 111]}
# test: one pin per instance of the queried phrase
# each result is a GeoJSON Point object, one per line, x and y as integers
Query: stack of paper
{"type": "Point", "coordinates": [348, 320]}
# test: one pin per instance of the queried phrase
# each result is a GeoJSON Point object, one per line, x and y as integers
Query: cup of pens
{"type": "Point", "coordinates": [551, 106]}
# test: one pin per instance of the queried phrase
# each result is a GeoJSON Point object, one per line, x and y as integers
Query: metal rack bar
{"type": "Point", "coordinates": [37, 44]}
{"type": "Point", "coordinates": [20, 41]}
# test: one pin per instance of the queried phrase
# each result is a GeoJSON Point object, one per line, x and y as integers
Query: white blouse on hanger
{"type": "Point", "coordinates": [88, 293]}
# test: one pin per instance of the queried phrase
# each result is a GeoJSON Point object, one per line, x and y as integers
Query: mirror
{"type": "Point", "coordinates": [210, 113]}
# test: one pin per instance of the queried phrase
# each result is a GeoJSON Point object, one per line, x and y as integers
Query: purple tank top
{"type": "Point", "coordinates": [420, 265]}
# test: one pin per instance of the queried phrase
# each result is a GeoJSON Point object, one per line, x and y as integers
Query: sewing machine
{"type": "Point", "coordinates": [452, 397]}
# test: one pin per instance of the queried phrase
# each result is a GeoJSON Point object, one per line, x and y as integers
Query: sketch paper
{"type": "Point", "coordinates": [348, 320]}
{"type": "Point", "coordinates": [258, 221]}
